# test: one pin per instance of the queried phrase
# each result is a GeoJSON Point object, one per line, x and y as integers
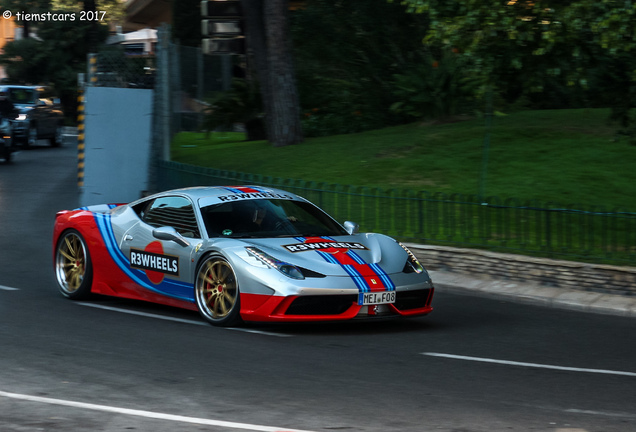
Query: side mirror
{"type": "Point", "coordinates": [170, 234]}
{"type": "Point", "coordinates": [351, 227]}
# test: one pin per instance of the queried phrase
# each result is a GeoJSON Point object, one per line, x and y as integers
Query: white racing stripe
{"type": "Point", "coordinates": [534, 365]}
{"type": "Point", "coordinates": [6, 288]}
{"type": "Point", "coordinates": [148, 414]}
{"type": "Point", "coordinates": [185, 321]}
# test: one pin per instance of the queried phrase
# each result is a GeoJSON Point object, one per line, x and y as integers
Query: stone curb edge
{"type": "Point", "coordinates": [583, 301]}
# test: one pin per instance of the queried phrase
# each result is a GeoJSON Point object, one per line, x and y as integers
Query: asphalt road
{"type": "Point", "coordinates": [474, 364]}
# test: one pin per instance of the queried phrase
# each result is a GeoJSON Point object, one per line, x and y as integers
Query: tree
{"type": "Point", "coordinates": [114, 12]}
{"type": "Point", "coordinates": [26, 6]}
{"type": "Point", "coordinates": [184, 14]}
{"type": "Point", "coordinates": [56, 56]}
{"type": "Point", "coordinates": [537, 39]}
{"type": "Point", "coordinates": [347, 55]}
{"type": "Point", "coordinates": [267, 40]}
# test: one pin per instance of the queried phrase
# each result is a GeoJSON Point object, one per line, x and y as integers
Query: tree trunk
{"type": "Point", "coordinates": [283, 120]}
{"type": "Point", "coordinates": [89, 6]}
{"type": "Point", "coordinates": [269, 47]}
{"type": "Point", "coordinates": [256, 49]}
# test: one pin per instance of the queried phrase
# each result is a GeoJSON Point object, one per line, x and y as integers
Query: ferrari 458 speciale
{"type": "Point", "coordinates": [241, 253]}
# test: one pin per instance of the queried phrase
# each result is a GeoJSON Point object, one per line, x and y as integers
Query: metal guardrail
{"type": "Point", "coordinates": [510, 225]}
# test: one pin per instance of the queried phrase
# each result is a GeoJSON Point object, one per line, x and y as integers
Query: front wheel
{"type": "Point", "coordinates": [57, 139]}
{"type": "Point", "coordinates": [217, 292]}
{"type": "Point", "coordinates": [73, 267]}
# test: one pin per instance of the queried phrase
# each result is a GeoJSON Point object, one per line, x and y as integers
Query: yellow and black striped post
{"type": "Point", "coordinates": [81, 101]}
{"type": "Point", "coordinates": [92, 69]}
{"type": "Point", "coordinates": [80, 138]}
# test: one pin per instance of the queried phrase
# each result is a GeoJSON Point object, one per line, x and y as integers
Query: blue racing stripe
{"type": "Point", "coordinates": [169, 288]}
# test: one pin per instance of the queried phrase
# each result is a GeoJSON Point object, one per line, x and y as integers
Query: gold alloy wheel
{"type": "Point", "coordinates": [217, 291]}
{"type": "Point", "coordinates": [71, 263]}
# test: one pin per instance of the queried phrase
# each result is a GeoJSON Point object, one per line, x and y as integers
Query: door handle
{"type": "Point", "coordinates": [128, 237]}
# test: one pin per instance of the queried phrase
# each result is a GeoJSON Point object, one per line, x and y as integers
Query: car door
{"type": "Point", "coordinates": [166, 264]}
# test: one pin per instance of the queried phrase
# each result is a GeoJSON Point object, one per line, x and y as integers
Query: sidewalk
{"type": "Point", "coordinates": [587, 301]}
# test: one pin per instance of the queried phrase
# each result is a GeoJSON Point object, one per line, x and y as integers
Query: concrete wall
{"type": "Point", "coordinates": [541, 271]}
{"type": "Point", "coordinates": [117, 139]}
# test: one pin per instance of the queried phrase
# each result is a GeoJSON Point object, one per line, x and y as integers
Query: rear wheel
{"type": "Point", "coordinates": [6, 153]}
{"type": "Point", "coordinates": [73, 267]}
{"type": "Point", "coordinates": [217, 292]}
{"type": "Point", "coordinates": [31, 136]}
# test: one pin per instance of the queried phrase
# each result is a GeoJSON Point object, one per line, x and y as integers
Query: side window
{"type": "Point", "coordinates": [176, 212]}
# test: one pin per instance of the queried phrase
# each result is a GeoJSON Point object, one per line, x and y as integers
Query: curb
{"type": "Point", "coordinates": [583, 301]}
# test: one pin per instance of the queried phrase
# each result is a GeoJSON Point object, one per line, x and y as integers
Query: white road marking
{"type": "Point", "coordinates": [6, 288]}
{"type": "Point", "coordinates": [148, 414]}
{"type": "Point", "coordinates": [534, 365]}
{"type": "Point", "coordinates": [144, 314]}
{"type": "Point", "coordinates": [601, 413]}
{"type": "Point", "coordinates": [167, 318]}
{"type": "Point", "coordinates": [261, 332]}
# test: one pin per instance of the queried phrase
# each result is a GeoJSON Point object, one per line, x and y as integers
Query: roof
{"type": "Point", "coordinates": [219, 194]}
{"type": "Point", "coordinates": [209, 195]}
{"type": "Point", "coordinates": [143, 35]}
{"type": "Point", "coordinates": [30, 87]}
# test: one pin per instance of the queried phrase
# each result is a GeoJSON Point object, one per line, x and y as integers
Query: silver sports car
{"type": "Point", "coordinates": [237, 253]}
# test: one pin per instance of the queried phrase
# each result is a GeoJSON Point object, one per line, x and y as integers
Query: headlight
{"type": "Point", "coordinates": [21, 117]}
{"type": "Point", "coordinates": [412, 261]}
{"type": "Point", "coordinates": [287, 269]}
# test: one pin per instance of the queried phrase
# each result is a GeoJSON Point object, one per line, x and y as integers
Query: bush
{"type": "Point", "coordinates": [241, 104]}
{"type": "Point", "coordinates": [436, 89]}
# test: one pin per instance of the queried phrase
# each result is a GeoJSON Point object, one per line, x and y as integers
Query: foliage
{"type": "Point", "coordinates": [543, 41]}
{"type": "Point", "coordinates": [184, 14]}
{"type": "Point", "coordinates": [241, 104]}
{"type": "Point", "coordinates": [54, 58]}
{"type": "Point", "coordinates": [563, 156]}
{"type": "Point", "coordinates": [25, 5]}
{"type": "Point", "coordinates": [437, 89]}
{"type": "Point", "coordinates": [59, 51]}
{"type": "Point", "coordinates": [346, 53]}
{"type": "Point", "coordinates": [341, 111]}
{"type": "Point", "coordinates": [115, 9]}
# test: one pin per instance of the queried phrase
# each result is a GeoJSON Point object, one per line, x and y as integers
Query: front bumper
{"type": "Point", "coordinates": [336, 307]}
{"type": "Point", "coordinates": [20, 128]}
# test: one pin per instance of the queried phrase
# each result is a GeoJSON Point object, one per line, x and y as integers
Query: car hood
{"type": "Point", "coordinates": [23, 109]}
{"type": "Point", "coordinates": [330, 255]}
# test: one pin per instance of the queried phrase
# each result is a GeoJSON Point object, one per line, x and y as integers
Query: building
{"type": "Point", "coordinates": [9, 31]}
{"type": "Point", "coordinates": [142, 14]}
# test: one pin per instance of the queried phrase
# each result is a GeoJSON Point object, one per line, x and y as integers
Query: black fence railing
{"type": "Point", "coordinates": [537, 228]}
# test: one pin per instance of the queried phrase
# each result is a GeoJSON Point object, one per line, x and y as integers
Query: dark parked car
{"type": "Point", "coordinates": [40, 115]}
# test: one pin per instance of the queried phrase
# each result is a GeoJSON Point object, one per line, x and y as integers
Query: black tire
{"type": "Point", "coordinates": [57, 139]}
{"type": "Point", "coordinates": [73, 266]}
{"type": "Point", "coordinates": [7, 152]}
{"type": "Point", "coordinates": [217, 292]}
{"type": "Point", "coordinates": [31, 136]}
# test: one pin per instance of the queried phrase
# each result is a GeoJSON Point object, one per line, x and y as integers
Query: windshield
{"type": "Point", "coordinates": [21, 95]}
{"type": "Point", "coordinates": [268, 218]}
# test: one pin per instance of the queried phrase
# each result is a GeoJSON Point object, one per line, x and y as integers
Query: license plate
{"type": "Point", "coordinates": [375, 298]}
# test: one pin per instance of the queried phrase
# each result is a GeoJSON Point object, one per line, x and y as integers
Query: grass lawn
{"type": "Point", "coordinates": [563, 156]}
